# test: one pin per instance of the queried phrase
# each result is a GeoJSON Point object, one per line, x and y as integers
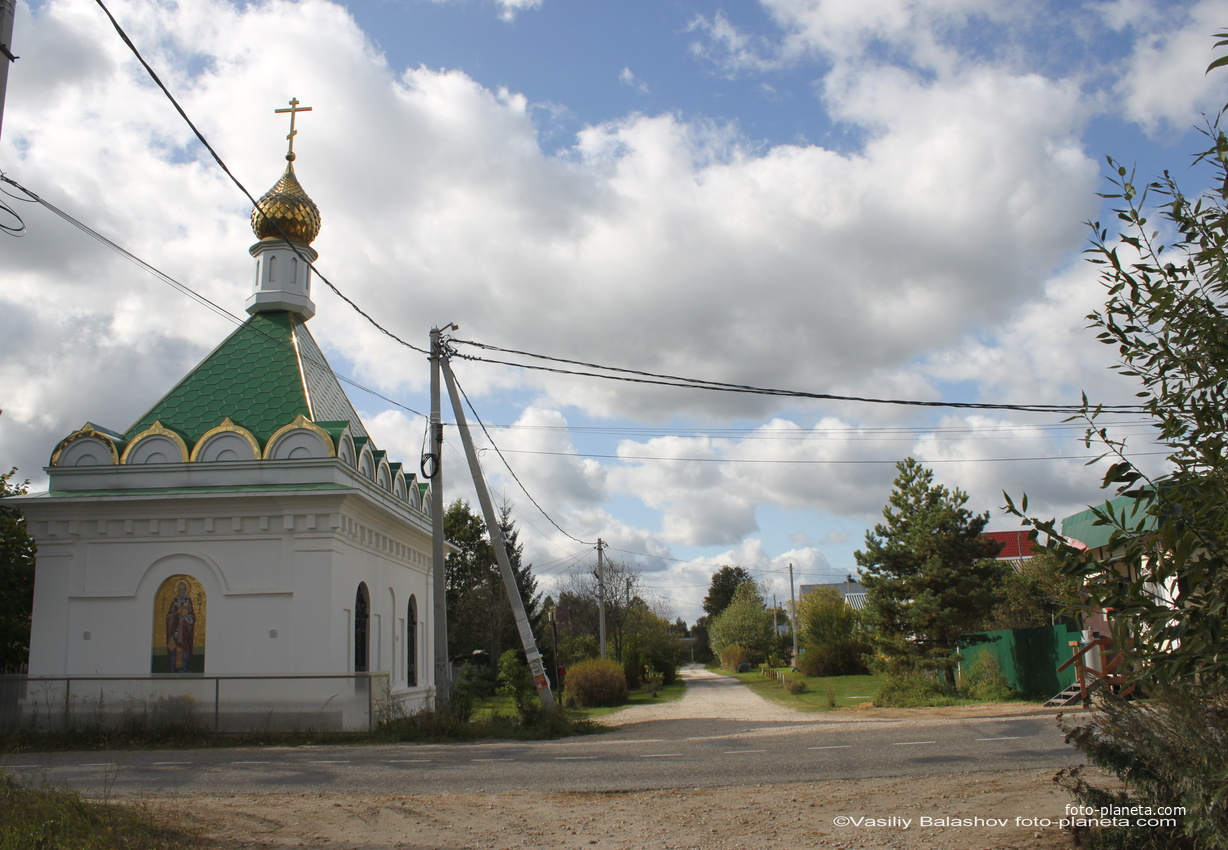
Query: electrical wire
{"type": "Point", "coordinates": [18, 229]}
{"type": "Point", "coordinates": [508, 466]}
{"type": "Point", "coordinates": [221, 164]}
{"type": "Point", "coordinates": [814, 462]}
{"type": "Point", "coordinates": [184, 289]}
{"type": "Point", "coordinates": [866, 433]}
{"type": "Point", "coordinates": [655, 378]}
{"type": "Point", "coordinates": [621, 374]}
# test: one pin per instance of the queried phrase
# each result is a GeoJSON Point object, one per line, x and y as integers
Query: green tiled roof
{"type": "Point", "coordinates": [256, 379]}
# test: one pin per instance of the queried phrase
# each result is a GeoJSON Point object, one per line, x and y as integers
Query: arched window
{"type": "Point", "coordinates": [411, 643]}
{"type": "Point", "coordinates": [362, 622]}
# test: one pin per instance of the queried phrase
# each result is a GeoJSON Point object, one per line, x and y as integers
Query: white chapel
{"type": "Point", "coordinates": [244, 528]}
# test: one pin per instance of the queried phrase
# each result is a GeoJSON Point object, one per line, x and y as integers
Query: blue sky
{"type": "Point", "coordinates": [879, 198]}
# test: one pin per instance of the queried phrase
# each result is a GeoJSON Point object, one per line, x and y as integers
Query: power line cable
{"type": "Point", "coordinates": [815, 462]}
{"type": "Point", "coordinates": [632, 375]}
{"type": "Point", "coordinates": [658, 379]}
{"type": "Point", "coordinates": [221, 164]}
{"type": "Point", "coordinates": [17, 229]}
{"type": "Point", "coordinates": [621, 374]}
{"type": "Point", "coordinates": [508, 466]}
{"type": "Point", "coordinates": [184, 289]}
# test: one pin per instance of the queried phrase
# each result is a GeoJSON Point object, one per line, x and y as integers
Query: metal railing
{"type": "Point", "coordinates": [225, 704]}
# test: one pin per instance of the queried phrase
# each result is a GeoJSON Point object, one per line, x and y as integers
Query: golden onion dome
{"type": "Point", "coordinates": [286, 206]}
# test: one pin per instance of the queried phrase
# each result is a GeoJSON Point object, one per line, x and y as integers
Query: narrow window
{"type": "Point", "coordinates": [362, 620]}
{"type": "Point", "coordinates": [411, 643]}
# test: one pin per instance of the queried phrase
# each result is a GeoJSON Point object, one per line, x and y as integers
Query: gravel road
{"type": "Point", "coordinates": [998, 810]}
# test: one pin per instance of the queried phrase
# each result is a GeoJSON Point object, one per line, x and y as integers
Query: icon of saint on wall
{"type": "Point", "coordinates": [180, 630]}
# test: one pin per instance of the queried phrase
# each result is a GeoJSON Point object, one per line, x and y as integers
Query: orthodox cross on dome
{"type": "Point", "coordinates": [293, 110]}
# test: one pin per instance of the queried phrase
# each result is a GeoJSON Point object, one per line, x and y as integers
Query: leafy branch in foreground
{"type": "Point", "coordinates": [1162, 576]}
{"type": "Point", "coordinates": [1166, 313]}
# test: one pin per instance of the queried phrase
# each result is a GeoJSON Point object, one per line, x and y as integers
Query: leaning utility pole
{"type": "Point", "coordinates": [500, 546]}
{"type": "Point", "coordinates": [439, 610]}
{"type": "Point", "coordinates": [601, 595]}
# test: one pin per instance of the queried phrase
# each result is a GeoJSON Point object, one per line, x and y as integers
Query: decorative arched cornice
{"type": "Point", "coordinates": [300, 423]}
{"type": "Point", "coordinates": [383, 472]}
{"type": "Point", "coordinates": [157, 430]}
{"type": "Point", "coordinates": [346, 450]}
{"type": "Point", "coordinates": [227, 427]}
{"type": "Point", "coordinates": [88, 430]}
{"type": "Point", "coordinates": [365, 462]}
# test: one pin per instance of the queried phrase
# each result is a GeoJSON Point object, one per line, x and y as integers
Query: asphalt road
{"type": "Point", "coordinates": [681, 753]}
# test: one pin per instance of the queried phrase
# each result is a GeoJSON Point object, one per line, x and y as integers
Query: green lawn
{"type": "Point", "coordinates": [667, 693]}
{"type": "Point", "coordinates": [821, 692]}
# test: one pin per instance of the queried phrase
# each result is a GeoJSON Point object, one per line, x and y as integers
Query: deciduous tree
{"type": "Point", "coordinates": [745, 622]}
{"type": "Point", "coordinates": [1166, 314]}
{"type": "Point", "coordinates": [725, 583]}
{"type": "Point", "coordinates": [1164, 571]}
{"type": "Point", "coordinates": [17, 551]}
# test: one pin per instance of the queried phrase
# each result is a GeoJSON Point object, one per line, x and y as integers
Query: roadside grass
{"type": "Point", "coordinates": [831, 693]}
{"type": "Point", "coordinates": [58, 819]}
{"type": "Point", "coordinates": [24, 739]}
{"type": "Point", "coordinates": [640, 696]}
{"type": "Point", "coordinates": [821, 691]}
{"type": "Point", "coordinates": [429, 727]}
{"type": "Point", "coordinates": [493, 718]}
{"type": "Point", "coordinates": [493, 708]}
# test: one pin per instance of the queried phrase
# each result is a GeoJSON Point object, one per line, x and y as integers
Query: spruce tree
{"type": "Point", "coordinates": [479, 616]}
{"type": "Point", "coordinates": [930, 576]}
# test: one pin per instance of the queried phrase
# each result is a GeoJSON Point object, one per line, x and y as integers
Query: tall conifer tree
{"type": "Point", "coordinates": [929, 575]}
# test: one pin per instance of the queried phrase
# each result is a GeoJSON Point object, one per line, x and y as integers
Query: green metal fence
{"type": "Point", "coordinates": [1029, 657]}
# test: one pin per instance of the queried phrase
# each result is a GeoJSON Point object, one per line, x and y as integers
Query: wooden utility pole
{"type": "Point", "coordinates": [793, 616]}
{"type": "Point", "coordinates": [601, 595]}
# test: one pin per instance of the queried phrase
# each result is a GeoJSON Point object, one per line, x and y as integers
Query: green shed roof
{"type": "Point", "coordinates": [1082, 526]}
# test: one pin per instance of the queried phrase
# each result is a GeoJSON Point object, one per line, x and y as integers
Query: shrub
{"type": "Point", "coordinates": [794, 687]}
{"type": "Point", "coordinates": [514, 679]}
{"type": "Point", "coordinates": [915, 689]}
{"type": "Point", "coordinates": [1168, 751]}
{"type": "Point", "coordinates": [733, 657]}
{"type": "Point", "coordinates": [664, 660]}
{"type": "Point", "coordinates": [844, 658]}
{"type": "Point", "coordinates": [596, 682]}
{"type": "Point", "coordinates": [825, 618]}
{"type": "Point", "coordinates": [982, 679]}
{"type": "Point", "coordinates": [476, 679]}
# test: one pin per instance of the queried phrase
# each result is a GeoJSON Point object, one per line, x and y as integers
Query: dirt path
{"type": "Point", "coordinates": [982, 811]}
{"type": "Point", "coordinates": [709, 696]}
